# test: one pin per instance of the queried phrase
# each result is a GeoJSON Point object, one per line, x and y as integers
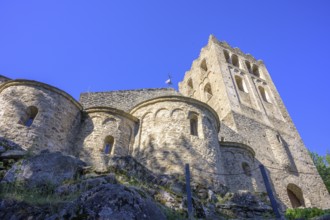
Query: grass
{"type": "Point", "coordinates": [172, 214]}
{"type": "Point", "coordinates": [34, 196]}
{"type": "Point", "coordinates": [305, 213]}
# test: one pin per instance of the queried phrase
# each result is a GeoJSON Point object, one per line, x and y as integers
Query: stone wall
{"type": "Point", "coordinates": [242, 169]}
{"type": "Point", "coordinates": [124, 100]}
{"type": "Point", "coordinates": [165, 142]}
{"type": "Point", "coordinates": [99, 124]}
{"type": "Point", "coordinates": [252, 113]}
{"type": "Point", "coordinates": [3, 79]}
{"type": "Point", "coordinates": [55, 124]}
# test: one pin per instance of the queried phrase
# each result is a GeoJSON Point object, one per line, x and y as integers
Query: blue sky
{"type": "Point", "coordinates": [105, 45]}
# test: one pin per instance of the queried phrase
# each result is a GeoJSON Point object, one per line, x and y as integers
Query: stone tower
{"type": "Point", "coordinates": [253, 118]}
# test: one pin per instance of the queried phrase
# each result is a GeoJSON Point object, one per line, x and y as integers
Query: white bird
{"type": "Point", "coordinates": [169, 81]}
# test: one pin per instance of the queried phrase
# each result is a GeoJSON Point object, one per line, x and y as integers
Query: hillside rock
{"type": "Point", "coordinates": [13, 154]}
{"type": "Point", "coordinates": [112, 201]}
{"type": "Point", "coordinates": [46, 168]}
{"type": "Point", "coordinates": [107, 201]}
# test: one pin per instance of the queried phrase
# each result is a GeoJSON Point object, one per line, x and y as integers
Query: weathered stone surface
{"type": "Point", "coordinates": [55, 125]}
{"type": "Point", "coordinates": [163, 129]}
{"type": "Point", "coordinates": [165, 144]}
{"type": "Point", "coordinates": [84, 185]}
{"type": "Point", "coordinates": [106, 201]}
{"type": "Point", "coordinates": [45, 169]}
{"type": "Point", "coordinates": [98, 125]}
{"type": "Point", "coordinates": [241, 91]}
{"type": "Point", "coordinates": [111, 201]}
{"type": "Point", "coordinates": [13, 154]}
{"type": "Point", "coordinates": [17, 210]}
{"type": "Point", "coordinates": [9, 145]}
{"type": "Point", "coordinates": [125, 99]}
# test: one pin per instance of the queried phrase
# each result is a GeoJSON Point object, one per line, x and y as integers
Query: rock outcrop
{"type": "Point", "coordinates": [52, 185]}
{"type": "Point", "coordinates": [45, 169]}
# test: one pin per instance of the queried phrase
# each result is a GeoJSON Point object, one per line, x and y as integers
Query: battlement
{"type": "Point", "coordinates": [236, 50]}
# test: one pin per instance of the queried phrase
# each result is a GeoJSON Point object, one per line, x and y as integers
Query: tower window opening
{"type": "Point", "coordinates": [246, 168]}
{"type": "Point", "coordinates": [255, 70]}
{"type": "Point", "coordinates": [108, 144]}
{"type": "Point", "coordinates": [31, 114]}
{"type": "Point", "coordinates": [194, 125]}
{"type": "Point", "coordinates": [264, 94]}
{"type": "Point", "coordinates": [225, 52]}
{"type": "Point", "coordinates": [240, 84]}
{"type": "Point", "coordinates": [190, 84]}
{"type": "Point", "coordinates": [208, 91]}
{"type": "Point", "coordinates": [203, 65]}
{"type": "Point", "coordinates": [248, 66]}
{"type": "Point", "coordinates": [234, 60]}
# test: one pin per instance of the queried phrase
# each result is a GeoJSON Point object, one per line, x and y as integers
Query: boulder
{"type": "Point", "coordinates": [45, 169]}
{"type": "Point", "coordinates": [2, 149]}
{"type": "Point", "coordinates": [9, 145]}
{"type": "Point", "coordinates": [112, 201]}
{"type": "Point", "coordinates": [106, 201]}
{"type": "Point", "coordinates": [13, 154]}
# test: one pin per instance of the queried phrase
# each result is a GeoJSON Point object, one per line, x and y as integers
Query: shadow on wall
{"type": "Point", "coordinates": [293, 168]}
{"type": "Point", "coordinates": [170, 157]}
{"type": "Point", "coordinates": [14, 113]}
{"type": "Point", "coordinates": [90, 154]}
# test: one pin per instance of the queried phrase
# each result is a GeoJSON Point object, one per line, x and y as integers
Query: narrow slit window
{"type": "Point", "coordinates": [279, 139]}
{"type": "Point", "coordinates": [234, 60]}
{"type": "Point", "coordinates": [240, 84]}
{"type": "Point", "coordinates": [108, 144]}
{"type": "Point", "coordinates": [194, 125]}
{"type": "Point", "coordinates": [31, 114]}
{"type": "Point", "coordinates": [203, 65]}
{"type": "Point", "coordinates": [225, 52]}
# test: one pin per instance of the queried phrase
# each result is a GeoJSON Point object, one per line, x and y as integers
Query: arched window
{"type": "Point", "coordinates": [225, 52]}
{"type": "Point", "coordinates": [208, 91]}
{"type": "Point", "coordinates": [295, 195]}
{"type": "Point", "coordinates": [108, 144]}
{"type": "Point", "coordinates": [246, 168]}
{"type": "Point", "coordinates": [28, 118]}
{"type": "Point", "coordinates": [264, 94]}
{"type": "Point", "coordinates": [190, 84]}
{"type": "Point", "coordinates": [255, 70]}
{"type": "Point", "coordinates": [203, 65]}
{"type": "Point", "coordinates": [248, 66]}
{"type": "Point", "coordinates": [240, 84]}
{"type": "Point", "coordinates": [193, 124]}
{"type": "Point", "coordinates": [234, 60]}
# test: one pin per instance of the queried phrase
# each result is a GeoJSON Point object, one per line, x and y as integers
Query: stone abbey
{"type": "Point", "coordinates": [226, 120]}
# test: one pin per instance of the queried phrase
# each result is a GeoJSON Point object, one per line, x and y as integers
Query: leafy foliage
{"type": "Point", "coordinates": [322, 164]}
{"type": "Point", "coordinates": [306, 213]}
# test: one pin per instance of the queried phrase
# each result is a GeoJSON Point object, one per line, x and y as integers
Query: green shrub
{"type": "Point", "coordinates": [306, 213]}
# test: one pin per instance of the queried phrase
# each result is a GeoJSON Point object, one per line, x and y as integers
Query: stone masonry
{"type": "Point", "coordinates": [241, 91]}
{"type": "Point", "coordinates": [227, 119]}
